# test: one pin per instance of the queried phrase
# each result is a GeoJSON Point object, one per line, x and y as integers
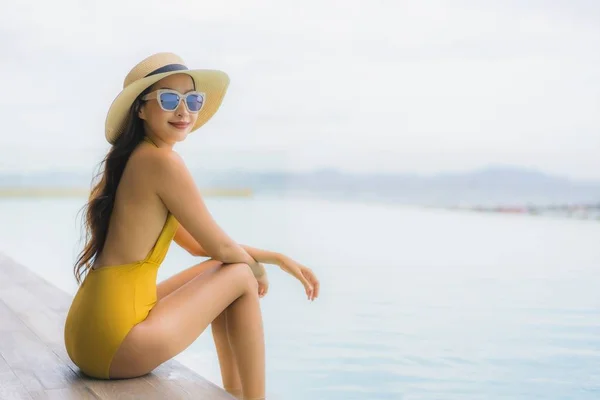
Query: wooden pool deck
{"type": "Point", "coordinates": [34, 363]}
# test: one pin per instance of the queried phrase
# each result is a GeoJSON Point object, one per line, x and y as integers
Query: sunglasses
{"type": "Point", "coordinates": [169, 99]}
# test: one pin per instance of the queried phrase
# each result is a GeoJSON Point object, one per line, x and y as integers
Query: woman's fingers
{"type": "Point", "coordinates": [314, 282]}
{"type": "Point", "coordinates": [317, 286]}
{"type": "Point", "coordinates": [307, 286]}
{"type": "Point", "coordinates": [263, 285]}
{"type": "Point", "coordinates": [308, 281]}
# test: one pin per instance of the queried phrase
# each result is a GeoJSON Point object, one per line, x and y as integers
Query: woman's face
{"type": "Point", "coordinates": [168, 126]}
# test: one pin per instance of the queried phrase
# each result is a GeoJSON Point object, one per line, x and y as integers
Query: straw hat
{"type": "Point", "coordinates": [151, 70]}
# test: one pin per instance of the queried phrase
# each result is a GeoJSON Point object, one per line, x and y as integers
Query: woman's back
{"type": "Point", "coordinates": [138, 215]}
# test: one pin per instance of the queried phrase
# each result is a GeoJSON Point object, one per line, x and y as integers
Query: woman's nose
{"type": "Point", "coordinates": [181, 108]}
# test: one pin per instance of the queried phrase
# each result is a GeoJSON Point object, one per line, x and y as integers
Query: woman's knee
{"type": "Point", "coordinates": [242, 275]}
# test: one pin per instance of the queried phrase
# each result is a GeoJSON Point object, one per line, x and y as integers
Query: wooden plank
{"type": "Point", "coordinates": [5, 280]}
{"type": "Point", "coordinates": [20, 300]}
{"type": "Point", "coordinates": [9, 321]}
{"type": "Point", "coordinates": [61, 352]}
{"type": "Point", "coordinates": [70, 393]}
{"type": "Point", "coordinates": [11, 387]}
{"type": "Point", "coordinates": [46, 323]}
{"type": "Point", "coordinates": [34, 363]}
{"type": "Point", "coordinates": [172, 374]}
{"type": "Point", "coordinates": [171, 380]}
{"type": "Point", "coordinates": [53, 297]}
{"type": "Point", "coordinates": [104, 389]}
{"type": "Point", "coordinates": [39, 367]}
{"type": "Point", "coordinates": [17, 273]}
{"type": "Point", "coordinates": [126, 389]}
{"type": "Point", "coordinates": [14, 274]}
{"type": "Point", "coordinates": [4, 367]}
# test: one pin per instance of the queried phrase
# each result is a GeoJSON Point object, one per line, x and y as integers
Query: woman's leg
{"type": "Point", "coordinates": [230, 374]}
{"type": "Point", "coordinates": [176, 281]}
{"type": "Point", "coordinates": [181, 316]}
{"type": "Point", "coordinates": [229, 371]}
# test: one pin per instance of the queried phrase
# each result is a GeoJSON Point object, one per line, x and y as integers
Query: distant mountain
{"type": "Point", "coordinates": [489, 186]}
{"type": "Point", "coordinates": [495, 185]}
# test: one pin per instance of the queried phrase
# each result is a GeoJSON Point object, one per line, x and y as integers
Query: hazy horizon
{"type": "Point", "coordinates": [483, 169]}
{"type": "Point", "coordinates": [420, 87]}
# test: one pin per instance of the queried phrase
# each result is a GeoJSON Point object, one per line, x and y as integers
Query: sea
{"type": "Point", "coordinates": [416, 303]}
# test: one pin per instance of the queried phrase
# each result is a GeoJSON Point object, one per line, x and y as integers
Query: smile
{"type": "Point", "coordinates": [180, 125]}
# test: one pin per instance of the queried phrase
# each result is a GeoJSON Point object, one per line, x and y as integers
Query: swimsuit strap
{"type": "Point", "coordinates": [161, 247]}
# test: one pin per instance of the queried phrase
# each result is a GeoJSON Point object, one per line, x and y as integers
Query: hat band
{"type": "Point", "coordinates": [168, 68]}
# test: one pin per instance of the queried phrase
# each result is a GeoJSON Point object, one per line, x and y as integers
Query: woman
{"type": "Point", "coordinates": [121, 324]}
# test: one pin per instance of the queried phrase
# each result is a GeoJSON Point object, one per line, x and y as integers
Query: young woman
{"type": "Point", "coordinates": [121, 324]}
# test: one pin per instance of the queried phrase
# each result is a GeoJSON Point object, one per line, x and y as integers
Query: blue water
{"type": "Point", "coordinates": [415, 304]}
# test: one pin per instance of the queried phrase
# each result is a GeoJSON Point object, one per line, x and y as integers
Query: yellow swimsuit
{"type": "Point", "coordinates": [109, 302]}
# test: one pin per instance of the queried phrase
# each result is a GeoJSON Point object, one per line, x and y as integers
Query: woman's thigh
{"type": "Point", "coordinates": [179, 318]}
{"type": "Point", "coordinates": [176, 281]}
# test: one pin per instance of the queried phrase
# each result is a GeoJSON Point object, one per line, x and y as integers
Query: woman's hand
{"type": "Point", "coordinates": [263, 285]}
{"type": "Point", "coordinates": [260, 273]}
{"type": "Point", "coordinates": [303, 274]}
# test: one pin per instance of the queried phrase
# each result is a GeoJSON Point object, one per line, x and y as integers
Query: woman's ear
{"type": "Point", "coordinates": [141, 112]}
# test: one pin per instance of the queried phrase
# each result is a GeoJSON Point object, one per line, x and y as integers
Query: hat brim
{"type": "Point", "coordinates": [212, 82]}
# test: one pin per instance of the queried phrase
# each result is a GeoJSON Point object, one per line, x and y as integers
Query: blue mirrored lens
{"type": "Point", "coordinates": [195, 101]}
{"type": "Point", "coordinates": [169, 101]}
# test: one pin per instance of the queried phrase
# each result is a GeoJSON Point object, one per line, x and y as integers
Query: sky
{"type": "Point", "coordinates": [392, 86]}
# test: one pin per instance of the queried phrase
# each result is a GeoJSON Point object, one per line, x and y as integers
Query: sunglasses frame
{"type": "Point", "coordinates": [157, 93]}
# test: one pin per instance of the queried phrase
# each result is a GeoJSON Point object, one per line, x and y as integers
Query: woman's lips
{"type": "Point", "coordinates": [180, 125]}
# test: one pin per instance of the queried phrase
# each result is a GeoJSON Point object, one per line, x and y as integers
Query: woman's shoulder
{"type": "Point", "coordinates": [153, 160]}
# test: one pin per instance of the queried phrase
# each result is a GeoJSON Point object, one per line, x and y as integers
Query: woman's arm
{"type": "Point", "coordinates": [184, 239]}
{"type": "Point", "coordinates": [188, 243]}
{"type": "Point", "coordinates": [178, 192]}
{"type": "Point", "coordinates": [264, 256]}
{"type": "Point", "coordinates": [297, 270]}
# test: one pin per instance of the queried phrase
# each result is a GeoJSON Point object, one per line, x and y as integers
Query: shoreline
{"type": "Point", "coordinates": [30, 191]}
{"type": "Point", "coordinates": [563, 211]}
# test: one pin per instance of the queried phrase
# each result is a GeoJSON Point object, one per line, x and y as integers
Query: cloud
{"type": "Point", "coordinates": [321, 81]}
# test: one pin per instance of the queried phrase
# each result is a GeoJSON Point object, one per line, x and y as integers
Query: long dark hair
{"type": "Point", "coordinates": [102, 196]}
